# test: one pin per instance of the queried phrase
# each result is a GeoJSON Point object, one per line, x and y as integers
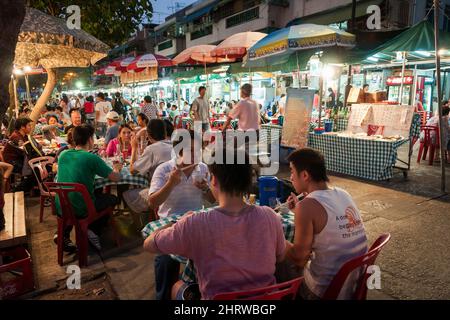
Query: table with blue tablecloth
{"type": "Point", "coordinates": [188, 276]}
{"type": "Point", "coordinates": [363, 158]}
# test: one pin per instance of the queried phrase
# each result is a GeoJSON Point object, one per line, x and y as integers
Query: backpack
{"type": "Point", "coordinates": [119, 107]}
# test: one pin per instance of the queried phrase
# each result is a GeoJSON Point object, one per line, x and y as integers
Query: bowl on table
{"type": "Point", "coordinates": [319, 130]}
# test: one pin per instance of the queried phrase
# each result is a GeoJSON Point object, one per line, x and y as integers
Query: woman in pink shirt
{"type": "Point", "coordinates": [234, 246]}
{"type": "Point", "coordinates": [121, 144]}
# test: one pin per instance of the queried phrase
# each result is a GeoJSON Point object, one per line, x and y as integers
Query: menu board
{"type": "Point", "coordinates": [297, 117]}
{"type": "Point", "coordinates": [383, 119]}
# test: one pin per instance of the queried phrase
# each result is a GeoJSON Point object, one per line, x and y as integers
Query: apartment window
{"type": "Point", "coordinates": [243, 17]}
{"type": "Point", "coordinates": [165, 45]}
{"type": "Point", "coordinates": [251, 3]}
{"type": "Point", "coordinates": [201, 32]}
{"type": "Point", "coordinates": [224, 11]}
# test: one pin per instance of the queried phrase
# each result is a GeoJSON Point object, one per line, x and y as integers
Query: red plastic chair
{"type": "Point", "coordinates": [69, 219]}
{"type": "Point", "coordinates": [427, 143]}
{"type": "Point", "coordinates": [178, 122]}
{"type": "Point", "coordinates": [39, 168]}
{"type": "Point", "coordinates": [275, 292]}
{"type": "Point", "coordinates": [362, 262]}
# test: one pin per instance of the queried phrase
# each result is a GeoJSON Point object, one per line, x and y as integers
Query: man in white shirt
{"type": "Point", "coordinates": [200, 109]}
{"type": "Point", "coordinates": [175, 184]}
{"type": "Point", "coordinates": [246, 111]}
{"type": "Point", "coordinates": [102, 108]}
{"type": "Point", "coordinates": [159, 151]}
{"type": "Point", "coordinates": [175, 190]}
{"type": "Point", "coordinates": [281, 105]}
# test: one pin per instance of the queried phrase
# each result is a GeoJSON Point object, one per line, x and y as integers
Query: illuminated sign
{"type": "Point", "coordinates": [396, 81]}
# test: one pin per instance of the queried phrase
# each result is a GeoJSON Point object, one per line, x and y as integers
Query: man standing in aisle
{"type": "Point", "coordinates": [200, 109]}
{"type": "Point", "coordinates": [101, 110]}
{"type": "Point", "coordinates": [246, 111]}
{"type": "Point", "coordinates": [112, 120]}
{"type": "Point", "coordinates": [149, 109]}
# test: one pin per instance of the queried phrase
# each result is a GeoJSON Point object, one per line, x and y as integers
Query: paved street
{"type": "Point", "coordinates": [414, 264]}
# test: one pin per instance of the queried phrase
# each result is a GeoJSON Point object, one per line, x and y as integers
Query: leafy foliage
{"type": "Point", "coordinates": [111, 21]}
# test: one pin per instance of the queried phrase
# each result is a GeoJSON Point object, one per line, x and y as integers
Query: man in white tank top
{"type": "Point", "coordinates": [328, 226]}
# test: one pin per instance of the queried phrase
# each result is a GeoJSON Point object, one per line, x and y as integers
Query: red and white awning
{"type": "Point", "coordinates": [149, 61]}
{"type": "Point", "coordinates": [122, 63]}
{"type": "Point", "coordinates": [107, 71]}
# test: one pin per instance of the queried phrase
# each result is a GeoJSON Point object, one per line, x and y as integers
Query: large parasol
{"type": "Point", "coordinates": [46, 40]}
{"type": "Point", "coordinates": [236, 46]}
{"type": "Point", "coordinates": [277, 47]}
{"type": "Point", "coordinates": [148, 61]}
{"type": "Point", "coordinates": [198, 54]}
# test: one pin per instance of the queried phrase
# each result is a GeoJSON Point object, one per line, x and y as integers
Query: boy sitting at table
{"type": "Point", "coordinates": [78, 165]}
{"type": "Point", "coordinates": [328, 226]}
{"type": "Point", "coordinates": [234, 246]}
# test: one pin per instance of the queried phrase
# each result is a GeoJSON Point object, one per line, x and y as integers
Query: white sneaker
{"type": "Point", "coordinates": [94, 240]}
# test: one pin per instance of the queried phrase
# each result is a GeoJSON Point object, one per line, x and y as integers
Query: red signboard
{"type": "Point", "coordinates": [396, 81]}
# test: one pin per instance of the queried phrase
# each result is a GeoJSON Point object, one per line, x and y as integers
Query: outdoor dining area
{"type": "Point", "coordinates": [229, 192]}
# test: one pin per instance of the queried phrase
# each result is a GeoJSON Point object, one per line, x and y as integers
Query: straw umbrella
{"type": "Point", "coordinates": [46, 40]}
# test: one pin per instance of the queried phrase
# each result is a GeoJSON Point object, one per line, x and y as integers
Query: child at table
{"type": "Point", "coordinates": [234, 246]}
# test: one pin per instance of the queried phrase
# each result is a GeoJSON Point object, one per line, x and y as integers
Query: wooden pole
{"type": "Point", "coordinates": [439, 92]}
{"type": "Point", "coordinates": [27, 85]}
{"type": "Point", "coordinates": [414, 88]}
{"type": "Point", "coordinates": [320, 98]}
{"type": "Point", "coordinates": [16, 105]}
{"type": "Point", "coordinates": [179, 94]}
{"type": "Point", "coordinates": [402, 76]}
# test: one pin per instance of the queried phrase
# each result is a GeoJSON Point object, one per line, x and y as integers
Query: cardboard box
{"type": "Point", "coordinates": [380, 96]}
{"type": "Point", "coordinates": [374, 97]}
{"type": "Point", "coordinates": [356, 95]}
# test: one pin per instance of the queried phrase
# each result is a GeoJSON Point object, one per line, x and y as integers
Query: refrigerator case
{"type": "Point", "coordinates": [394, 91]}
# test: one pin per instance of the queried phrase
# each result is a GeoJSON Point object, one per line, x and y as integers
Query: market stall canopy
{"type": "Point", "coordinates": [107, 71]}
{"type": "Point", "coordinates": [236, 46]}
{"type": "Point", "coordinates": [198, 54]}
{"type": "Point", "coordinates": [149, 61]}
{"type": "Point", "coordinates": [46, 40]}
{"type": "Point", "coordinates": [277, 47]}
{"type": "Point", "coordinates": [237, 68]}
{"type": "Point", "coordinates": [417, 42]}
{"type": "Point", "coordinates": [121, 64]}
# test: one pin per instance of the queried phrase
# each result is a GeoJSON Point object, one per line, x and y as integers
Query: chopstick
{"type": "Point", "coordinates": [283, 204]}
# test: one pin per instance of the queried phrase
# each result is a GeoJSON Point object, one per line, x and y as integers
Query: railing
{"type": "Point", "coordinates": [243, 17]}
{"type": "Point", "coordinates": [165, 45]}
{"type": "Point", "coordinates": [201, 32]}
